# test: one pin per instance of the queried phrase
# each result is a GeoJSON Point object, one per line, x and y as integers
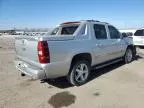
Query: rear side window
{"type": "Point", "coordinates": [139, 33]}
{"type": "Point", "coordinates": [114, 33]}
{"type": "Point", "coordinates": [69, 30]}
{"type": "Point", "coordinates": [54, 32]}
{"type": "Point", "coordinates": [83, 30]}
{"type": "Point", "coordinates": [100, 31]}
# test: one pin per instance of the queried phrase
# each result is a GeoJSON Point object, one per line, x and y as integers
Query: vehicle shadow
{"type": "Point", "coordinates": [141, 47]}
{"type": "Point", "coordinates": [138, 57]}
{"type": "Point", "coordinates": [63, 83]}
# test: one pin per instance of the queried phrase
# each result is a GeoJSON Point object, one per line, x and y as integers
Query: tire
{"type": "Point", "coordinates": [134, 52]}
{"type": "Point", "coordinates": [128, 57]}
{"type": "Point", "coordinates": [77, 76]}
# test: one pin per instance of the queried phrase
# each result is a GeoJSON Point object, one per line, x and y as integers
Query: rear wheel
{"type": "Point", "coordinates": [128, 55]}
{"type": "Point", "coordinates": [79, 73]}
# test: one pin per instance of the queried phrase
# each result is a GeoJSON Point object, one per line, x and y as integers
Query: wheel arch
{"type": "Point", "coordinates": [81, 56]}
{"type": "Point", "coordinates": [133, 48]}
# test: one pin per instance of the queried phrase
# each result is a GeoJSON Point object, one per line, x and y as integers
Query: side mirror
{"type": "Point", "coordinates": [124, 35]}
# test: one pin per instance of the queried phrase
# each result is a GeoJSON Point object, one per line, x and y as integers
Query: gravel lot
{"type": "Point", "coordinates": [116, 86]}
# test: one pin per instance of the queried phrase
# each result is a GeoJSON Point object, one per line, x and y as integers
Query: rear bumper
{"type": "Point", "coordinates": [34, 72]}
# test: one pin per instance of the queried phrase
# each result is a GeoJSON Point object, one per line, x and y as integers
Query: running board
{"type": "Point", "coordinates": [106, 64]}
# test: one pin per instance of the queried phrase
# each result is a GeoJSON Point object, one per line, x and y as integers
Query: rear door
{"type": "Point", "coordinates": [118, 45]}
{"type": "Point", "coordinates": [102, 46]}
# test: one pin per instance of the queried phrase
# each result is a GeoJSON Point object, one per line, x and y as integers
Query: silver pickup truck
{"type": "Point", "coordinates": [71, 50]}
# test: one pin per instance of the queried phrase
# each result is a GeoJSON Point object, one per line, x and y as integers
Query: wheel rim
{"type": "Point", "coordinates": [81, 73]}
{"type": "Point", "coordinates": [129, 55]}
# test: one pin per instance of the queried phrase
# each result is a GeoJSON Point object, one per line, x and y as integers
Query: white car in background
{"type": "Point", "coordinates": [138, 38]}
{"type": "Point", "coordinates": [129, 32]}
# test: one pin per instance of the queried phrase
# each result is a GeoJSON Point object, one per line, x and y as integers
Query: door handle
{"type": "Point", "coordinates": [99, 45]}
{"type": "Point", "coordinates": [114, 43]}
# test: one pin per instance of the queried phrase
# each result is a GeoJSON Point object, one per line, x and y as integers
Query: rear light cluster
{"type": "Point", "coordinates": [43, 52]}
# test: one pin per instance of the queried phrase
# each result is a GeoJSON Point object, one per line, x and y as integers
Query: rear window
{"type": "Point", "coordinates": [139, 33]}
{"type": "Point", "coordinates": [69, 30]}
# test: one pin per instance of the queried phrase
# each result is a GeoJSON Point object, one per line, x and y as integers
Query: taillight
{"type": "Point", "coordinates": [43, 52]}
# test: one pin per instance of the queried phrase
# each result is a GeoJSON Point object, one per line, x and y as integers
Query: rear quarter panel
{"type": "Point", "coordinates": [62, 52]}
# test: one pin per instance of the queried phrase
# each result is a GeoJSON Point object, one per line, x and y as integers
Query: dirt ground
{"type": "Point", "coordinates": [116, 86]}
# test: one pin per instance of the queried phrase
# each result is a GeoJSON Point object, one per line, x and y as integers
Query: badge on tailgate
{"type": "Point", "coordinates": [23, 42]}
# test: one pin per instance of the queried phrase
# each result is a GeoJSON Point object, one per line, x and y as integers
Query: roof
{"type": "Point", "coordinates": [78, 22]}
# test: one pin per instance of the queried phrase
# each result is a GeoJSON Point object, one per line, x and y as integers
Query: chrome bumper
{"type": "Point", "coordinates": [34, 72]}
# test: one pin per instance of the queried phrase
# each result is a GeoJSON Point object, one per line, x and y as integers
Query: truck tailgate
{"type": "Point", "coordinates": [26, 48]}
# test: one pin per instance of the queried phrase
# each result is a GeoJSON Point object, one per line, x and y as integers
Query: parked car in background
{"type": "Point", "coordinates": [71, 50]}
{"type": "Point", "coordinates": [127, 36]}
{"type": "Point", "coordinates": [129, 32]}
{"type": "Point", "coordinates": [138, 38]}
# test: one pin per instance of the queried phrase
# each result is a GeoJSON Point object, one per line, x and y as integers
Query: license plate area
{"type": "Point", "coordinates": [22, 64]}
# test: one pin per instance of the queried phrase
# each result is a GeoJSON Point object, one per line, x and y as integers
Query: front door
{"type": "Point", "coordinates": [117, 44]}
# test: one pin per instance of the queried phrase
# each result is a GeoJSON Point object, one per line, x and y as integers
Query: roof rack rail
{"type": "Point", "coordinates": [96, 21]}
{"type": "Point", "coordinates": [72, 22]}
{"type": "Point", "coordinates": [92, 21]}
{"type": "Point", "coordinates": [105, 22]}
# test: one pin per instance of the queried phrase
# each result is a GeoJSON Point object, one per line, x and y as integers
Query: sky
{"type": "Point", "coordinates": [49, 13]}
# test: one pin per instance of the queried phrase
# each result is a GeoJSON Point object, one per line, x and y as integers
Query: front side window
{"type": "Point", "coordinates": [100, 31]}
{"type": "Point", "coordinates": [139, 33]}
{"type": "Point", "coordinates": [114, 33]}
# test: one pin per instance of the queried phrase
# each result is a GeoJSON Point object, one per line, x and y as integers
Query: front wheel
{"type": "Point", "coordinates": [79, 73]}
{"type": "Point", "coordinates": [128, 57]}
